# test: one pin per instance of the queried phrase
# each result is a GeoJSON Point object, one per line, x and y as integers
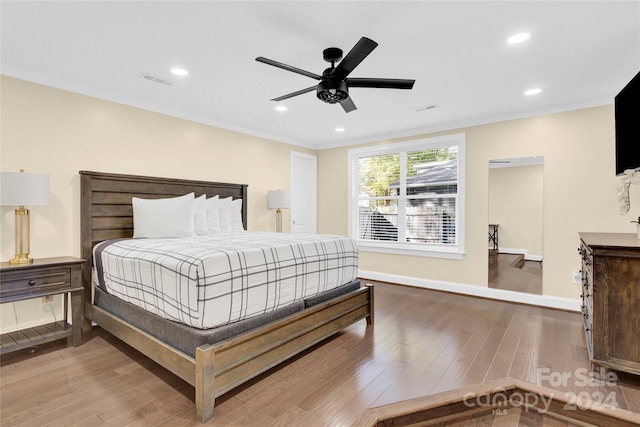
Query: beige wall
{"type": "Point", "coordinates": [579, 195]}
{"type": "Point", "coordinates": [55, 132]}
{"type": "Point", "coordinates": [516, 205]}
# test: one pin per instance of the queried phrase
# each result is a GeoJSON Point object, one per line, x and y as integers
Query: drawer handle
{"type": "Point", "coordinates": [32, 282]}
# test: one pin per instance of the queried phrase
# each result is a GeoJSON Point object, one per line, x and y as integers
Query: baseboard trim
{"type": "Point", "coordinates": [477, 291]}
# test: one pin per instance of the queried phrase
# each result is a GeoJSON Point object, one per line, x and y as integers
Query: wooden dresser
{"type": "Point", "coordinates": [611, 299]}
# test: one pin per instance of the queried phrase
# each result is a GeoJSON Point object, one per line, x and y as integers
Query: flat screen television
{"type": "Point", "coordinates": [627, 110]}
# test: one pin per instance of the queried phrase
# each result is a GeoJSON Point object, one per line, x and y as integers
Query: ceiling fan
{"type": "Point", "coordinates": [334, 82]}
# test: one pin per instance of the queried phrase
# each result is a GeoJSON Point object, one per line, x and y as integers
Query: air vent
{"type": "Point", "coordinates": [425, 108]}
{"type": "Point", "coordinates": [152, 78]}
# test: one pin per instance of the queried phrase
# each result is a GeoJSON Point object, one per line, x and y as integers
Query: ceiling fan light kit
{"type": "Point", "coordinates": [332, 92]}
{"type": "Point", "coordinates": [333, 86]}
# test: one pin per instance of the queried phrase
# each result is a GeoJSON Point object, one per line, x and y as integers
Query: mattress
{"type": "Point", "coordinates": [209, 281]}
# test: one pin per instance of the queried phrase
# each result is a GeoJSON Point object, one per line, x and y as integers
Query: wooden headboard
{"type": "Point", "coordinates": [106, 211]}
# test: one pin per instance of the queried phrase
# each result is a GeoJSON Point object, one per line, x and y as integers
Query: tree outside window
{"type": "Point", "coordinates": [408, 195]}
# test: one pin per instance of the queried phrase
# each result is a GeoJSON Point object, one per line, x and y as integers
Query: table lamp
{"type": "Point", "coordinates": [278, 199]}
{"type": "Point", "coordinates": [23, 189]}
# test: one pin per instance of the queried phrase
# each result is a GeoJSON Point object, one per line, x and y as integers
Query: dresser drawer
{"type": "Point", "coordinates": [587, 285]}
{"type": "Point", "coordinates": [42, 280]}
{"type": "Point", "coordinates": [587, 261]}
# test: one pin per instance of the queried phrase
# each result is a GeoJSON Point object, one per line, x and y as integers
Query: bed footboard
{"type": "Point", "coordinates": [239, 359]}
{"type": "Point", "coordinates": [220, 367]}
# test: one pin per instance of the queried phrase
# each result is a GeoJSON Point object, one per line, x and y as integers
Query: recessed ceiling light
{"type": "Point", "coordinates": [518, 38]}
{"type": "Point", "coordinates": [179, 71]}
{"type": "Point", "coordinates": [533, 91]}
{"type": "Point", "coordinates": [281, 108]}
{"type": "Point", "coordinates": [339, 129]}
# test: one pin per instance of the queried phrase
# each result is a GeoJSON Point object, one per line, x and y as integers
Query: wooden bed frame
{"type": "Point", "coordinates": [106, 213]}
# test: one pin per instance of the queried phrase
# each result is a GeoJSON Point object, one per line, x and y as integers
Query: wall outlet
{"type": "Point", "coordinates": [47, 299]}
{"type": "Point", "coordinates": [577, 277]}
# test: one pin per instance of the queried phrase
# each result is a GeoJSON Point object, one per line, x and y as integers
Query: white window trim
{"type": "Point", "coordinates": [456, 251]}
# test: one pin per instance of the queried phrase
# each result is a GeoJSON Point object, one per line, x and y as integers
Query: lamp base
{"type": "Point", "coordinates": [278, 221]}
{"type": "Point", "coordinates": [22, 238]}
{"type": "Point", "coordinates": [21, 259]}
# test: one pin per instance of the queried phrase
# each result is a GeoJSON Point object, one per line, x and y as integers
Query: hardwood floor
{"type": "Point", "coordinates": [512, 272]}
{"type": "Point", "coordinates": [422, 342]}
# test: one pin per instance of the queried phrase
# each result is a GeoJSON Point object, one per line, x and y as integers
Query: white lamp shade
{"type": "Point", "coordinates": [279, 199]}
{"type": "Point", "coordinates": [24, 189]}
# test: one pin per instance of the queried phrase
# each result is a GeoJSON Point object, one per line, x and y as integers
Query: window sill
{"type": "Point", "coordinates": [413, 250]}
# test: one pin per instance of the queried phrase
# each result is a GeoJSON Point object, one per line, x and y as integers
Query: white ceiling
{"type": "Point", "coordinates": [581, 53]}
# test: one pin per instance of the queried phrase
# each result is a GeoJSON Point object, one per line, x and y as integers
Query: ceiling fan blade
{"type": "Point", "coordinates": [380, 83]}
{"type": "Point", "coordinates": [348, 105]}
{"type": "Point", "coordinates": [291, 95]}
{"type": "Point", "coordinates": [355, 56]}
{"type": "Point", "coordinates": [288, 67]}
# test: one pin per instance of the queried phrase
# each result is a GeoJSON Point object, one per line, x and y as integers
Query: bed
{"type": "Point", "coordinates": [237, 352]}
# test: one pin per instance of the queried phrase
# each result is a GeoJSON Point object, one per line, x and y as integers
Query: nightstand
{"type": "Point", "coordinates": [45, 277]}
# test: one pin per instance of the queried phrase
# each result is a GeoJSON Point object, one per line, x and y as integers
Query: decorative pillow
{"type": "Point", "coordinates": [213, 215]}
{"type": "Point", "coordinates": [201, 226]}
{"type": "Point", "coordinates": [235, 214]}
{"type": "Point", "coordinates": [224, 206]}
{"type": "Point", "coordinates": [169, 217]}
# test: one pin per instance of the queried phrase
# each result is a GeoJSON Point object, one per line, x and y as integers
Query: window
{"type": "Point", "coordinates": [409, 197]}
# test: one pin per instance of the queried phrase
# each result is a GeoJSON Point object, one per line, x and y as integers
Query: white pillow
{"type": "Point", "coordinates": [213, 215]}
{"type": "Point", "coordinates": [201, 226]}
{"type": "Point", "coordinates": [224, 207]}
{"type": "Point", "coordinates": [169, 217]}
{"type": "Point", "coordinates": [235, 213]}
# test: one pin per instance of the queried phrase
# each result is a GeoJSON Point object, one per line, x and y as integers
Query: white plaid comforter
{"type": "Point", "coordinates": [207, 281]}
